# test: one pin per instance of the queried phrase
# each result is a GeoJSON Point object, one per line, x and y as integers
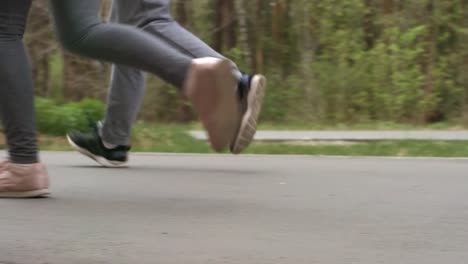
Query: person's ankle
{"type": "Point", "coordinates": [244, 85]}
{"type": "Point", "coordinates": [23, 162]}
{"type": "Point", "coordinates": [108, 145]}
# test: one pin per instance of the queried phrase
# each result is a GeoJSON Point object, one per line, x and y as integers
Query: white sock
{"type": "Point", "coordinates": [106, 144]}
{"type": "Point", "coordinates": [109, 145]}
{"type": "Point", "coordinates": [24, 165]}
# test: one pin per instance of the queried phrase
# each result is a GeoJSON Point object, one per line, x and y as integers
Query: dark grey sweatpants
{"type": "Point", "coordinates": [128, 84]}
{"type": "Point", "coordinates": [16, 89]}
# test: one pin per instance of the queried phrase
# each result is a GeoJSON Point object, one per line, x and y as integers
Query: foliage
{"type": "Point", "coordinates": [328, 61]}
{"type": "Point", "coordinates": [58, 119]}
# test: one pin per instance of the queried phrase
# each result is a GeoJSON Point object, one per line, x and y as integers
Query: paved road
{"type": "Point", "coordinates": [251, 209]}
{"type": "Point", "coordinates": [372, 135]}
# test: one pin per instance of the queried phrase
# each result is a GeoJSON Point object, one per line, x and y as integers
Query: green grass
{"type": "Point", "coordinates": [360, 126]}
{"type": "Point", "coordinates": [174, 139]}
{"type": "Point", "coordinates": [166, 138]}
{"type": "Point", "coordinates": [404, 148]}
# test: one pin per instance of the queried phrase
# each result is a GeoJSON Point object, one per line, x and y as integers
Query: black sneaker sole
{"type": "Point", "coordinates": [248, 126]}
{"type": "Point", "coordinates": [99, 159]}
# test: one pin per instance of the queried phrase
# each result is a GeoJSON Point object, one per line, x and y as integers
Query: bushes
{"type": "Point", "coordinates": [56, 119]}
{"type": "Point", "coordinates": [327, 61]}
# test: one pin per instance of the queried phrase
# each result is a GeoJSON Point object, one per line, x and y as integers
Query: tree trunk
{"type": "Point", "coordinates": [244, 32]}
{"type": "Point", "coordinates": [181, 12]}
{"type": "Point", "coordinates": [259, 37]}
{"type": "Point", "coordinates": [185, 113]}
{"type": "Point", "coordinates": [309, 47]}
{"type": "Point", "coordinates": [388, 6]}
{"type": "Point", "coordinates": [368, 24]}
{"type": "Point", "coordinates": [430, 113]}
{"type": "Point", "coordinates": [225, 35]}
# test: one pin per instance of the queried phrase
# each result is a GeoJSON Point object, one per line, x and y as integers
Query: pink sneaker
{"type": "Point", "coordinates": [212, 89]}
{"type": "Point", "coordinates": [23, 181]}
{"type": "Point", "coordinates": [3, 165]}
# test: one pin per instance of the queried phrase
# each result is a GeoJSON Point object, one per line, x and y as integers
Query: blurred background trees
{"type": "Point", "coordinates": [327, 61]}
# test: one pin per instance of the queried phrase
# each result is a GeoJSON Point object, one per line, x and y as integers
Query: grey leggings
{"type": "Point", "coordinates": [16, 92]}
{"type": "Point", "coordinates": [128, 84]}
{"type": "Point", "coordinates": [80, 31]}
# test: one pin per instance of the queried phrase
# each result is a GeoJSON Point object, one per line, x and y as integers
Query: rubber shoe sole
{"type": "Point", "coordinates": [99, 159]}
{"type": "Point", "coordinates": [28, 194]}
{"type": "Point", "coordinates": [248, 126]}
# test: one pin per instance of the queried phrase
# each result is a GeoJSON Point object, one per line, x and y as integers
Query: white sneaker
{"type": "Point", "coordinates": [251, 105]}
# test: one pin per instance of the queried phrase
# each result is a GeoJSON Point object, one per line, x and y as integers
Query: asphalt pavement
{"type": "Point", "coordinates": [351, 135]}
{"type": "Point", "coordinates": [190, 209]}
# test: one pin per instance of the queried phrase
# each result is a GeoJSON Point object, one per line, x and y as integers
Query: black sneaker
{"type": "Point", "coordinates": [90, 144]}
{"type": "Point", "coordinates": [251, 92]}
